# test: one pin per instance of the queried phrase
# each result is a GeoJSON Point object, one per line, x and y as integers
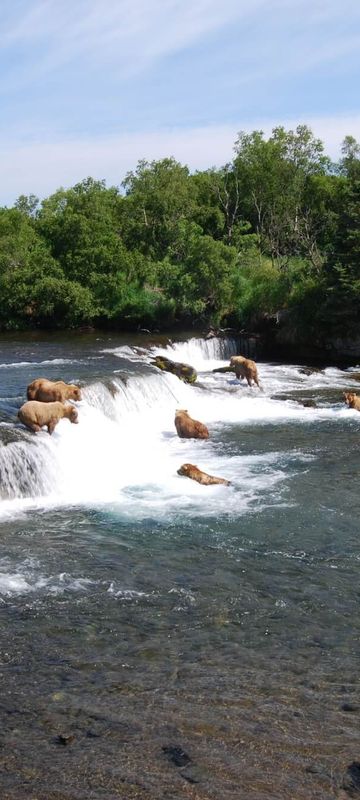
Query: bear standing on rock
{"type": "Point", "coordinates": [35, 414]}
{"type": "Point", "coordinates": [245, 368]}
{"type": "Point", "coordinates": [188, 428]}
{"type": "Point", "coordinates": [52, 391]}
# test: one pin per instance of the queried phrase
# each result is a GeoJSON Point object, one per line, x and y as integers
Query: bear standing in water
{"type": "Point", "coordinates": [35, 414]}
{"type": "Point", "coordinates": [245, 368]}
{"type": "Point", "coordinates": [188, 428]}
{"type": "Point", "coordinates": [191, 471]}
{"type": "Point", "coordinates": [52, 391]}
{"type": "Point", "coordinates": [352, 400]}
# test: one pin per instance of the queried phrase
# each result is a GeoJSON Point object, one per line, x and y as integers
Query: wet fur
{"type": "Point", "coordinates": [52, 391]}
{"type": "Point", "coordinates": [352, 400]}
{"type": "Point", "coordinates": [196, 474]}
{"type": "Point", "coordinates": [245, 368]}
{"type": "Point", "coordinates": [36, 414]}
{"type": "Point", "coordinates": [188, 428]}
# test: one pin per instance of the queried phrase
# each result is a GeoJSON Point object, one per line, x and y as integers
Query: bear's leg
{"type": "Point", "coordinates": [52, 425]}
{"type": "Point", "coordinates": [35, 427]}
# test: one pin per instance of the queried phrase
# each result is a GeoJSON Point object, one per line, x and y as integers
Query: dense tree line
{"type": "Point", "coordinates": [277, 229]}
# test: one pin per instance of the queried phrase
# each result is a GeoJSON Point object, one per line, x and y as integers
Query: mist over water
{"type": "Point", "coordinates": [240, 600]}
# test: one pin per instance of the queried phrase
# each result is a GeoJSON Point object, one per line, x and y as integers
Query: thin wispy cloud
{"type": "Point", "coordinates": [132, 34]}
{"type": "Point", "coordinates": [129, 33]}
{"type": "Point", "coordinates": [76, 77]}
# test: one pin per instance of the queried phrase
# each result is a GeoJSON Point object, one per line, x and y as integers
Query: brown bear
{"type": "Point", "coordinates": [35, 414]}
{"type": "Point", "coordinates": [188, 428]}
{"type": "Point", "coordinates": [52, 391]}
{"type": "Point", "coordinates": [245, 368]}
{"type": "Point", "coordinates": [191, 471]}
{"type": "Point", "coordinates": [352, 400]}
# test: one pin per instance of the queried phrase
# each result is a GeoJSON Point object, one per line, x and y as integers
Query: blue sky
{"type": "Point", "coordinates": [88, 87]}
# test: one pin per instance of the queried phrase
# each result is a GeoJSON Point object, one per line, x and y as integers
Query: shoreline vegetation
{"type": "Point", "coordinates": [269, 243]}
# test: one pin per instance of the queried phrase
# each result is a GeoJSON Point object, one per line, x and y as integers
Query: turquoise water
{"type": "Point", "coordinates": [162, 639]}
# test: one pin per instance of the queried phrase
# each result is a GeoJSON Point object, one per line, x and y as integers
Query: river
{"type": "Point", "coordinates": [163, 639]}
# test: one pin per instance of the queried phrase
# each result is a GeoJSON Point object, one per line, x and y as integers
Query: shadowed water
{"type": "Point", "coordinates": [162, 639]}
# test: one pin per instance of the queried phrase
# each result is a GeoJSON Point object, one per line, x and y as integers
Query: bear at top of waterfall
{"type": "Point", "coordinates": [35, 414]}
{"type": "Point", "coordinates": [52, 391]}
{"type": "Point", "coordinates": [188, 428]}
{"type": "Point", "coordinates": [352, 400]}
{"type": "Point", "coordinates": [245, 368]}
{"type": "Point", "coordinates": [196, 474]}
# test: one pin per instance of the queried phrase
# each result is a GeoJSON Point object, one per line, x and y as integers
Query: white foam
{"type": "Point", "coordinates": [125, 452]}
{"type": "Point", "coordinates": [28, 578]}
{"type": "Point", "coordinates": [55, 361]}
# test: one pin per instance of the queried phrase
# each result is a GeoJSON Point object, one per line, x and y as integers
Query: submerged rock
{"type": "Point", "coordinates": [64, 739]}
{"type": "Point", "coordinates": [351, 782]}
{"type": "Point", "coordinates": [224, 369]}
{"type": "Point", "coordinates": [177, 755]}
{"type": "Point", "coordinates": [301, 401]}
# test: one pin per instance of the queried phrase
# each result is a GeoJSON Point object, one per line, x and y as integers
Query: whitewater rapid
{"type": "Point", "coordinates": [125, 453]}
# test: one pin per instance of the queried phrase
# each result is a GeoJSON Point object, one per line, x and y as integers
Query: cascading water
{"type": "Point", "coordinates": [27, 470]}
{"type": "Point", "coordinates": [204, 350]}
{"type": "Point", "coordinates": [125, 449]}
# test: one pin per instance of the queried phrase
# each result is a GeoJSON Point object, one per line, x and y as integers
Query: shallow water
{"type": "Point", "coordinates": [163, 639]}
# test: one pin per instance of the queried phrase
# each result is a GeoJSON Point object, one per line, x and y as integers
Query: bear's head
{"type": "Point", "coordinates": [236, 360]}
{"type": "Point", "coordinates": [180, 411]}
{"type": "Point", "coordinates": [186, 469]}
{"type": "Point", "coordinates": [73, 414]}
{"type": "Point", "coordinates": [349, 397]}
{"type": "Point", "coordinates": [76, 392]}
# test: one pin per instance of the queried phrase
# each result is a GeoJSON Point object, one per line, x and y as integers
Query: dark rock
{"type": "Point", "coordinates": [309, 370]}
{"type": "Point", "coordinates": [183, 371]}
{"type": "Point", "coordinates": [224, 369]}
{"type": "Point", "coordinates": [177, 755]}
{"type": "Point", "coordinates": [349, 707]}
{"type": "Point", "coordinates": [64, 738]}
{"type": "Point", "coordinates": [306, 402]}
{"type": "Point", "coordinates": [351, 782]}
{"type": "Point", "coordinates": [189, 777]}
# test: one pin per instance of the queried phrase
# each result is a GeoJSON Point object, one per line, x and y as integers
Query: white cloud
{"type": "Point", "coordinates": [44, 166]}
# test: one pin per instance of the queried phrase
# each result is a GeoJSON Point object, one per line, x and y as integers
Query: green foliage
{"type": "Point", "coordinates": [277, 229]}
{"type": "Point", "coordinates": [199, 274]}
{"type": "Point", "coordinates": [260, 289]}
{"type": "Point", "coordinates": [159, 196]}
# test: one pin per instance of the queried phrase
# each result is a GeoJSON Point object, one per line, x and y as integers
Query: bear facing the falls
{"type": "Point", "coordinates": [245, 368]}
{"type": "Point", "coordinates": [52, 391]}
{"type": "Point", "coordinates": [188, 428]}
{"type": "Point", "coordinates": [196, 474]}
{"type": "Point", "coordinates": [35, 415]}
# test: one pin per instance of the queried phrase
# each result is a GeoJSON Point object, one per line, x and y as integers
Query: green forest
{"type": "Point", "coordinates": [276, 231]}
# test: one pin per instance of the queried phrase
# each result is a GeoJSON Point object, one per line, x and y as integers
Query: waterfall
{"type": "Point", "coordinates": [125, 449]}
{"type": "Point", "coordinates": [200, 352]}
{"type": "Point", "coordinates": [27, 469]}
